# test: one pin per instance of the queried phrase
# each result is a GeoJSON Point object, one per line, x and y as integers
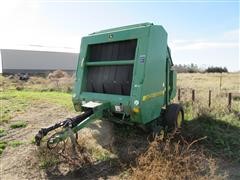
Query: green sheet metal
{"type": "Point", "coordinates": [153, 81]}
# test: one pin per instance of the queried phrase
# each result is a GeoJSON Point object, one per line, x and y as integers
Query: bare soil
{"type": "Point", "coordinates": [24, 161]}
{"type": "Point", "coordinates": [17, 163]}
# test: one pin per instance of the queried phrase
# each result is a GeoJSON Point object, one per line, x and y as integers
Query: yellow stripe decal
{"type": "Point", "coordinates": [153, 95]}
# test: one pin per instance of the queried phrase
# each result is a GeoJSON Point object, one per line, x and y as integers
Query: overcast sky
{"type": "Point", "coordinates": [203, 33]}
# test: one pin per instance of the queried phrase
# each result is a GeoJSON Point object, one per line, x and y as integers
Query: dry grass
{"type": "Point", "coordinates": [63, 155]}
{"type": "Point", "coordinates": [164, 158]}
{"type": "Point", "coordinates": [56, 81]}
{"type": "Point", "coordinates": [88, 149]}
{"type": "Point", "coordinates": [202, 83]}
{"type": "Point", "coordinates": [168, 159]}
{"type": "Point", "coordinates": [205, 82]}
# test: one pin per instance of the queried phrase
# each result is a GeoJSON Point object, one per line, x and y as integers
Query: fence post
{"type": "Point", "coordinates": [193, 95]}
{"type": "Point", "coordinates": [220, 82]}
{"type": "Point", "coordinates": [209, 98]}
{"type": "Point", "coordinates": [229, 101]}
{"type": "Point", "coordinates": [179, 94]}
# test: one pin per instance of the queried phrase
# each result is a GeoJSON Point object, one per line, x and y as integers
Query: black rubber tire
{"type": "Point", "coordinates": [171, 117]}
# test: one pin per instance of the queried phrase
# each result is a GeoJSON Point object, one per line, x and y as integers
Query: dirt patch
{"type": "Point", "coordinates": [105, 151]}
{"type": "Point", "coordinates": [99, 154]}
{"type": "Point", "coordinates": [40, 114]}
{"type": "Point", "coordinates": [17, 159]}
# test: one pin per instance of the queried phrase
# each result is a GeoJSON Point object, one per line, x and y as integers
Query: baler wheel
{"type": "Point", "coordinates": [174, 117]}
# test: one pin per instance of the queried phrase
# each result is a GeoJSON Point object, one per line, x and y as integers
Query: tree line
{"type": "Point", "coordinates": [193, 68]}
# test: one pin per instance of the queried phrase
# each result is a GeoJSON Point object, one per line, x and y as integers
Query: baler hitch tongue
{"type": "Point", "coordinates": [68, 123]}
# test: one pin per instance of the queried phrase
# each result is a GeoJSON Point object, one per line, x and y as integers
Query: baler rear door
{"type": "Point", "coordinates": [112, 77]}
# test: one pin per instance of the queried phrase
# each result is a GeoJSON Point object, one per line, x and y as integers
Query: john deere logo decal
{"type": "Point", "coordinates": [110, 36]}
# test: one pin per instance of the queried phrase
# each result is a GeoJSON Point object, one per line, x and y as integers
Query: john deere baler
{"type": "Point", "coordinates": [125, 75]}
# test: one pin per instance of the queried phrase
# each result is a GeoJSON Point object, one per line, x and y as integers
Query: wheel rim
{"type": "Point", "coordinates": [179, 119]}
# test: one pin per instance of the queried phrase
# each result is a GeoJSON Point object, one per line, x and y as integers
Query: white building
{"type": "Point", "coordinates": [20, 61]}
{"type": "Point", "coordinates": [0, 62]}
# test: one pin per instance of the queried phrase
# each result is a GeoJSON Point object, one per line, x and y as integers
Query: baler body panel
{"type": "Point", "coordinates": [154, 84]}
{"type": "Point", "coordinates": [143, 81]}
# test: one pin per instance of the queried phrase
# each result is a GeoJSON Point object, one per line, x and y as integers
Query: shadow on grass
{"type": "Point", "coordinates": [222, 137]}
{"type": "Point", "coordinates": [103, 170]}
{"type": "Point", "coordinates": [128, 143]}
{"type": "Point", "coordinates": [222, 141]}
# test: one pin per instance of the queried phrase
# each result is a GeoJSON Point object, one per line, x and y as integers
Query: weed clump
{"type": "Point", "coordinates": [62, 154]}
{"type": "Point", "coordinates": [2, 132]}
{"type": "Point", "coordinates": [166, 159]}
{"type": "Point", "coordinates": [3, 145]}
{"type": "Point", "coordinates": [15, 143]}
{"type": "Point", "coordinates": [18, 124]}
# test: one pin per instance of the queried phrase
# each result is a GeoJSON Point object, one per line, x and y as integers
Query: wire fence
{"type": "Point", "coordinates": [208, 97]}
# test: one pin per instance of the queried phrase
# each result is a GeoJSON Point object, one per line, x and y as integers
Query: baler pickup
{"type": "Point", "coordinates": [92, 111]}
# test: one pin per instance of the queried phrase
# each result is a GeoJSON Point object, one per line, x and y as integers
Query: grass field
{"type": "Point", "coordinates": [18, 101]}
{"type": "Point", "coordinates": [25, 110]}
{"type": "Point", "coordinates": [221, 127]}
{"type": "Point", "coordinates": [230, 82]}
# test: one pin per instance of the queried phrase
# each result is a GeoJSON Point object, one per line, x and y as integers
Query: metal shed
{"type": "Point", "coordinates": [23, 61]}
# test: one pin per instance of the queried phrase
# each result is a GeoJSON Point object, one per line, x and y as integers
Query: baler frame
{"type": "Point", "coordinates": [146, 99]}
